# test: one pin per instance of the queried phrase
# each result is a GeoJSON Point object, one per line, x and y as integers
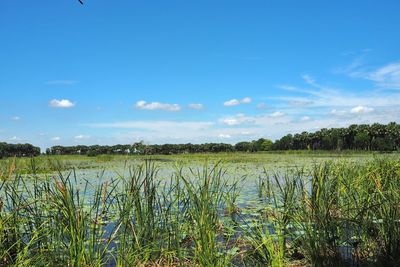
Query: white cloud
{"type": "Point", "coordinates": [303, 109]}
{"type": "Point", "coordinates": [55, 139]}
{"type": "Point", "coordinates": [232, 102]}
{"type": "Point", "coordinates": [258, 121]}
{"type": "Point", "coordinates": [15, 118]}
{"type": "Point", "coordinates": [277, 114]}
{"type": "Point", "coordinates": [63, 103]}
{"type": "Point", "coordinates": [308, 79]}
{"type": "Point", "coordinates": [235, 102]}
{"type": "Point", "coordinates": [287, 87]}
{"type": "Point", "coordinates": [81, 137]}
{"type": "Point", "coordinates": [387, 76]}
{"type": "Point", "coordinates": [196, 106]}
{"type": "Point", "coordinates": [305, 118]}
{"type": "Point", "coordinates": [160, 131]}
{"type": "Point", "coordinates": [361, 109]}
{"type": "Point", "coordinates": [262, 105]}
{"type": "Point", "coordinates": [338, 112]}
{"type": "Point", "coordinates": [15, 138]}
{"type": "Point", "coordinates": [300, 102]}
{"type": "Point", "coordinates": [157, 105]}
{"type": "Point", "coordinates": [353, 67]}
{"type": "Point", "coordinates": [262, 125]}
{"type": "Point", "coordinates": [156, 125]}
{"type": "Point", "coordinates": [236, 120]}
{"type": "Point", "coordinates": [338, 98]}
{"type": "Point", "coordinates": [354, 110]}
{"type": "Point", "coordinates": [246, 100]}
{"type": "Point", "coordinates": [231, 121]}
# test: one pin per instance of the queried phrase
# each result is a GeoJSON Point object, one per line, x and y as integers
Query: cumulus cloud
{"type": "Point", "coordinates": [81, 137]}
{"type": "Point", "coordinates": [352, 111]}
{"type": "Point", "coordinates": [262, 125]}
{"type": "Point", "coordinates": [338, 112]}
{"type": "Point", "coordinates": [307, 108]}
{"type": "Point", "coordinates": [196, 106]}
{"type": "Point", "coordinates": [235, 102]}
{"type": "Point", "coordinates": [277, 114]}
{"type": "Point", "coordinates": [361, 109]}
{"type": "Point", "coordinates": [55, 139]}
{"type": "Point", "coordinates": [236, 120]}
{"type": "Point", "coordinates": [63, 103]}
{"type": "Point", "coordinates": [305, 118]}
{"type": "Point", "coordinates": [232, 102]}
{"type": "Point", "coordinates": [230, 121]}
{"type": "Point", "coordinates": [157, 106]}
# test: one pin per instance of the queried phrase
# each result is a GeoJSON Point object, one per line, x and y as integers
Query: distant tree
{"type": "Point", "coordinates": [266, 145]}
{"type": "Point", "coordinates": [381, 144]}
{"type": "Point", "coordinates": [244, 146]}
{"type": "Point", "coordinates": [360, 137]}
{"type": "Point", "coordinates": [361, 141]}
{"type": "Point", "coordinates": [285, 143]}
{"type": "Point", "coordinates": [18, 150]}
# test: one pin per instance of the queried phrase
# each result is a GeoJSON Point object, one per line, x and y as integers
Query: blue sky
{"type": "Point", "coordinates": [112, 72]}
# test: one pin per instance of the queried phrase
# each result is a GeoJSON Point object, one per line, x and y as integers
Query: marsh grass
{"type": "Point", "coordinates": [142, 219]}
{"type": "Point", "coordinates": [205, 204]}
{"type": "Point", "coordinates": [334, 213]}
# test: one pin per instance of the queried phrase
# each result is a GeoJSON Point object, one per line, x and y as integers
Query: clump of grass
{"type": "Point", "coordinates": [78, 224]}
{"type": "Point", "coordinates": [139, 223]}
{"type": "Point", "coordinates": [384, 214]}
{"type": "Point", "coordinates": [264, 248]}
{"type": "Point", "coordinates": [318, 218]}
{"type": "Point", "coordinates": [205, 204]}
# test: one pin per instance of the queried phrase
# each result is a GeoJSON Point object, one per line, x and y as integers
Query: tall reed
{"type": "Point", "coordinates": [336, 213]}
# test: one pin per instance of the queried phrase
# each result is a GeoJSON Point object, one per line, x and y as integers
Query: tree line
{"type": "Point", "coordinates": [140, 148]}
{"type": "Point", "coordinates": [374, 137]}
{"type": "Point", "coordinates": [18, 150]}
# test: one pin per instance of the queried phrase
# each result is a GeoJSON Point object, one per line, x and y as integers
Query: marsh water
{"type": "Point", "coordinates": [246, 169]}
{"type": "Point", "coordinates": [243, 173]}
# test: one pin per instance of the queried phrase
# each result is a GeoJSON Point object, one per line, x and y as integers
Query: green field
{"type": "Point", "coordinates": [229, 209]}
